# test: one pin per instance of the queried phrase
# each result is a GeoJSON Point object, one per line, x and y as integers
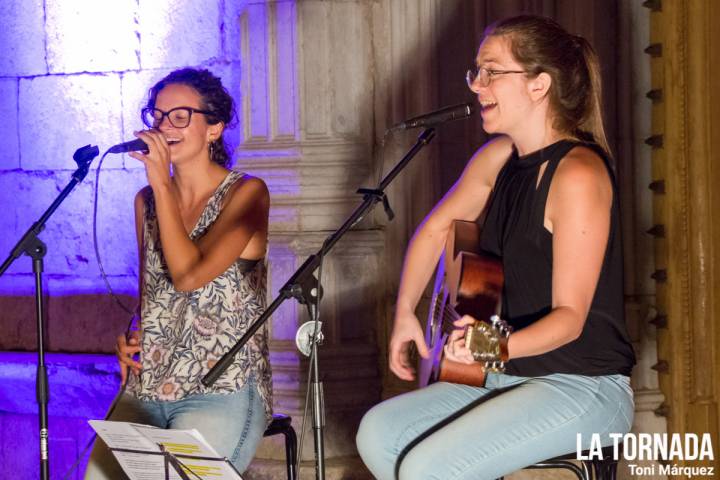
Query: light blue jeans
{"type": "Point", "coordinates": [449, 431]}
{"type": "Point", "coordinates": [233, 424]}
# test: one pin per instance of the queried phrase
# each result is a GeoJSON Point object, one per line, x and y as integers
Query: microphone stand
{"type": "Point", "coordinates": [33, 247]}
{"type": "Point", "coordinates": [304, 287]}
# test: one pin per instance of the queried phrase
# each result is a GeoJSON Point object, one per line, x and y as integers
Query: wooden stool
{"type": "Point", "coordinates": [281, 423]}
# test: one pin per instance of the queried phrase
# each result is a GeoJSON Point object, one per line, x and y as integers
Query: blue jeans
{"type": "Point", "coordinates": [233, 424]}
{"type": "Point", "coordinates": [449, 431]}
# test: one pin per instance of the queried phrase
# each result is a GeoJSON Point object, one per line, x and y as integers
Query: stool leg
{"type": "Point", "coordinates": [605, 470]}
{"type": "Point", "coordinates": [290, 452]}
{"type": "Point", "coordinates": [611, 470]}
{"type": "Point", "coordinates": [586, 470]}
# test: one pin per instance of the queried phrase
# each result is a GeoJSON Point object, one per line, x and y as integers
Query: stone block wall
{"type": "Point", "coordinates": [77, 73]}
{"type": "Point", "coordinates": [81, 387]}
{"type": "Point", "coordinates": [317, 83]}
{"type": "Point", "coordinates": [72, 74]}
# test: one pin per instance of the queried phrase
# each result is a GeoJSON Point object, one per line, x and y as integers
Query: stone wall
{"type": "Point", "coordinates": [77, 73]}
{"type": "Point", "coordinates": [71, 74]}
{"type": "Point", "coordinates": [317, 84]}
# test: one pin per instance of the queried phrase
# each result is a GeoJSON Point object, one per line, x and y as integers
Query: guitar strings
{"type": "Point", "coordinates": [450, 310]}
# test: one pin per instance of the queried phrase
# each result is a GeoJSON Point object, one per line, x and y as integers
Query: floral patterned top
{"type": "Point", "coordinates": [185, 333]}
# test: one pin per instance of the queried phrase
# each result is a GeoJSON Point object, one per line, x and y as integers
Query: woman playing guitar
{"type": "Point", "coordinates": [552, 216]}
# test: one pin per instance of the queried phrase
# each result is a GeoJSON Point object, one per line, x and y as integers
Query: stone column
{"type": "Point", "coordinates": [306, 128]}
{"type": "Point", "coordinates": [424, 48]}
{"type": "Point", "coordinates": [635, 174]}
{"type": "Point", "coordinates": [685, 143]}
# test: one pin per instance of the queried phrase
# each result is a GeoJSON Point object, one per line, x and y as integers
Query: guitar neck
{"type": "Point", "coordinates": [449, 316]}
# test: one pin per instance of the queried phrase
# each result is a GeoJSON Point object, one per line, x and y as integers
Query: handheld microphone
{"type": "Point", "coordinates": [129, 146]}
{"type": "Point", "coordinates": [447, 114]}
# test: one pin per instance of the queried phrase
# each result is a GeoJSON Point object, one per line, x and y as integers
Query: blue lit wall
{"type": "Point", "coordinates": [74, 73]}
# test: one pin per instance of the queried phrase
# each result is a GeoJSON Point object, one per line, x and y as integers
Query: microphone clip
{"type": "Point", "coordinates": [379, 196]}
{"type": "Point", "coordinates": [84, 156]}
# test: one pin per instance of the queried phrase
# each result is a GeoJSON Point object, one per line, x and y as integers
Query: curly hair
{"type": "Point", "coordinates": [214, 98]}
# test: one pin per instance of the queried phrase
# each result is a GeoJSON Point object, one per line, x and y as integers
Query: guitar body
{"type": "Point", "coordinates": [468, 282]}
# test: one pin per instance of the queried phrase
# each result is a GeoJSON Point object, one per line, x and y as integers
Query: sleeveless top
{"type": "Point", "coordinates": [185, 333]}
{"type": "Point", "coordinates": [514, 230]}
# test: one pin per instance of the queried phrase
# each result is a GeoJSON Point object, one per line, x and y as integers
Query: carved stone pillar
{"type": "Point", "coordinates": [407, 86]}
{"type": "Point", "coordinates": [306, 128]}
{"type": "Point", "coordinates": [686, 116]}
{"type": "Point", "coordinates": [634, 165]}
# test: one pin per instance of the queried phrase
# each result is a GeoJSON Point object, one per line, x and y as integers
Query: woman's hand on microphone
{"type": "Point", "coordinates": [157, 158]}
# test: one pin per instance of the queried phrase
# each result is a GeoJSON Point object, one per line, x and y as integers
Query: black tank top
{"type": "Point", "coordinates": [514, 230]}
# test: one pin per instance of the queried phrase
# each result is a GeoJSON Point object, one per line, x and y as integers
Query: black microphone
{"type": "Point", "coordinates": [130, 146]}
{"type": "Point", "coordinates": [447, 114]}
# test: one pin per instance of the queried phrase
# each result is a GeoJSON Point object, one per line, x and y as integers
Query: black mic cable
{"type": "Point", "coordinates": [96, 247]}
{"type": "Point", "coordinates": [110, 410]}
{"type": "Point", "coordinates": [110, 290]}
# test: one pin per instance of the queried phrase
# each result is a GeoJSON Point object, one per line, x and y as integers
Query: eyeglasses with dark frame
{"type": "Point", "coordinates": [485, 75]}
{"type": "Point", "coordinates": [179, 117]}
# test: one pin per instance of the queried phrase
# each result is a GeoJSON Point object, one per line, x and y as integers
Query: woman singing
{"type": "Point", "coordinates": [548, 191]}
{"type": "Point", "coordinates": [202, 234]}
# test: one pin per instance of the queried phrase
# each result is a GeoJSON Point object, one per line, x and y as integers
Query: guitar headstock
{"type": "Point", "coordinates": [487, 340]}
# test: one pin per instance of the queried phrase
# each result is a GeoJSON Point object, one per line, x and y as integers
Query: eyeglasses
{"type": "Point", "coordinates": [179, 117]}
{"type": "Point", "coordinates": [485, 75]}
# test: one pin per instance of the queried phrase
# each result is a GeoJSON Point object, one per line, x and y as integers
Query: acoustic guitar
{"type": "Point", "coordinates": [468, 282]}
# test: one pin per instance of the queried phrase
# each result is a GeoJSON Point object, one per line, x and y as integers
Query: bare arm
{"type": "Point", "coordinates": [578, 215]}
{"type": "Point", "coordinates": [465, 201]}
{"type": "Point", "coordinates": [244, 218]}
{"type": "Point", "coordinates": [242, 224]}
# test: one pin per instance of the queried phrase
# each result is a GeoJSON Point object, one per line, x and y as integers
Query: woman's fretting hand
{"type": "Point", "coordinates": [455, 348]}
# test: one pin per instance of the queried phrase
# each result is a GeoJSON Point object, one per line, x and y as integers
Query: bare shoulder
{"type": "Point", "coordinates": [490, 158]}
{"type": "Point", "coordinates": [581, 175]}
{"type": "Point", "coordinates": [496, 150]}
{"type": "Point", "coordinates": [251, 185]}
{"type": "Point", "coordinates": [249, 191]}
{"type": "Point", "coordinates": [582, 167]}
{"type": "Point", "coordinates": [141, 195]}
